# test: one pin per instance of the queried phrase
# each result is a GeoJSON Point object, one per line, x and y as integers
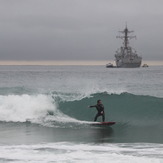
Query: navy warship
{"type": "Point", "coordinates": [126, 56]}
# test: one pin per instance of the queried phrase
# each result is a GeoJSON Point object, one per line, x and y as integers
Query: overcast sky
{"type": "Point", "coordinates": [78, 29]}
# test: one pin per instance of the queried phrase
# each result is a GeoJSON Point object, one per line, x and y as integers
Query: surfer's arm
{"type": "Point", "coordinates": [92, 106]}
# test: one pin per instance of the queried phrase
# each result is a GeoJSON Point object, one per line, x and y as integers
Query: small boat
{"type": "Point", "coordinates": [109, 65]}
{"type": "Point", "coordinates": [145, 65]}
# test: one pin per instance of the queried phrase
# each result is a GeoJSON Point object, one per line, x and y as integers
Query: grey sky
{"type": "Point", "coordinates": [78, 29]}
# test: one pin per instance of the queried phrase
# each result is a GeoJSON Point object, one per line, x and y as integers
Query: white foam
{"type": "Point", "coordinates": [19, 108]}
{"type": "Point", "coordinates": [34, 108]}
{"type": "Point", "coordinates": [69, 152]}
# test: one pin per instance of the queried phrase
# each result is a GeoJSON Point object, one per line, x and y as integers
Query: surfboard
{"type": "Point", "coordinates": [103, 123]}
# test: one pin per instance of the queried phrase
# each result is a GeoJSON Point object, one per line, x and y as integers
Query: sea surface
{"type": "Point", "coordinates": [44, 114]}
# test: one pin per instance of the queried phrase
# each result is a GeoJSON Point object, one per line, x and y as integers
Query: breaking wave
{"type": "Point", "coordinates": [122, 107]}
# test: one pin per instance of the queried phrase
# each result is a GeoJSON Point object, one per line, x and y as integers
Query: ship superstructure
{"type": "Point", "coordinates": [126, 56]}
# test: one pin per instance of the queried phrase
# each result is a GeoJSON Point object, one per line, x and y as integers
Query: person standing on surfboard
{"type": "Point", "coordinates": [100, 108]}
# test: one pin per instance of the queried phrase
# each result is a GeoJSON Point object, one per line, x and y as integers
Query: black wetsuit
{"type": "Point", "coordinates": [100, 109]}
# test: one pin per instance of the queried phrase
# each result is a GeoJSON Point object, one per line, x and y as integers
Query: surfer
{"type": "Point", "coordinates": [100, 108]}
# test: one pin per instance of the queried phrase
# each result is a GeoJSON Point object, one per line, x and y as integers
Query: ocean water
{"type": "Point", "coordinates": [44, 114]}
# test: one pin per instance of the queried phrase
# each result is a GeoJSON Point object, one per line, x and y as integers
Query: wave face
{"type": "Point", "coordinates": [125, 107]}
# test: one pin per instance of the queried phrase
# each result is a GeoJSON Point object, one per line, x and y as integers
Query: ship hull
{"type": "Point", "coordinates": [128, 64]}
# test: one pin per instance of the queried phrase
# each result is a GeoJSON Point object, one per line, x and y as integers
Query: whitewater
{"type": "Point", "coordinates": [44, 114]}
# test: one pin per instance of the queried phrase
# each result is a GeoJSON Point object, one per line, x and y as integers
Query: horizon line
{"type": "Point", "coordinates": [70, 62]}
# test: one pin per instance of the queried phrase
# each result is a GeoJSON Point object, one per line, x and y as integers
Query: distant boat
{"type": "Point", "coordinates": [126, 56]}
{"type": "Point", "coordinates": [109, 65]}
{"type": "Point", "coordinates": [145, 65]}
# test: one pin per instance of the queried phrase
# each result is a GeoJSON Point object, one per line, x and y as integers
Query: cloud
{"type": "Point", "coordinates": [78, 29]}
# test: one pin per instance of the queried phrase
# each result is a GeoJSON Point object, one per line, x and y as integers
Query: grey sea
{"type": "Point", "coordinates": [44, 114]}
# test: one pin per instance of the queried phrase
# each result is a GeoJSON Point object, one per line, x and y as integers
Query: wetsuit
{"type": "Point", "coordinates": [100, 109]}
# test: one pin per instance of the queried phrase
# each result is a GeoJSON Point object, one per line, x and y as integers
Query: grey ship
{"type": "Point", "coordinates": [126, 56]}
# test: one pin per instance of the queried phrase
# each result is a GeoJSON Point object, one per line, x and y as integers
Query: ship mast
{"type": "Point", "coordinates": [126, 37]}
